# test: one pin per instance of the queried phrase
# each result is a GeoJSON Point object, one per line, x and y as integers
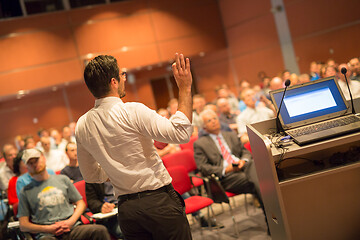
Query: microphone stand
{"type": "Point", "coordinates": [279, 127]}
{"type": "Point", "coordinates": [344, 71]}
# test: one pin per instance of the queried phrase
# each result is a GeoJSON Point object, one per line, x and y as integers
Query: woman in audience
{"type": "Point", "coordinates": [19, 169]}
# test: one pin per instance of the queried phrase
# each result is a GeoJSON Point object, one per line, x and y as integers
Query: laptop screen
{"type": "Point", "coordinates": [310, 102]}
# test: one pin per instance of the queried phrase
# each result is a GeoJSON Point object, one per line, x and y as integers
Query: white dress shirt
{"type": "Point", "coordinates": [56, 160]}
{"type": "Point", "coordinates": [252, 115]}
{"type": "Point", "coordinates": [115, 141]}
{"type": "Point", "coordinates": [5, 174]}
{"type": "Point", "coordinates": [354, 88]}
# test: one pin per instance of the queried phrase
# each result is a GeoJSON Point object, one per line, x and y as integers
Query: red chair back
{"type": "Point", "coordinates": [181, 158]}
{"type": "Point", "coordinates": [190, 144]}
{"type": "Point", "coordinates": [15, 208]}
{"type": "Point", "coordinates": [80, 186]}
{"type": "Point", "coordinates": [180, 179]}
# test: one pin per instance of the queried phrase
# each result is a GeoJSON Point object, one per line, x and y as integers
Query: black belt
{"type": "Point", "coordinates": [138, 195]}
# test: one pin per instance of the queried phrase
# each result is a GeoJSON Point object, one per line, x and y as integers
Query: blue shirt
{"type": "Point", "coordinates": [25, 179]}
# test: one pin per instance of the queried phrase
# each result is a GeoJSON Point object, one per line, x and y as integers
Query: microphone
{"type": "Point", "coordinates": [344, 71]}
{"type": "Point", "coordinates": [279, 128]}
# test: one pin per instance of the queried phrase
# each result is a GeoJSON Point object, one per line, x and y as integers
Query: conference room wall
{"type": "Point", "coordinates": [42, 51]}
{"type": "Point", "coordinates": [320, 29]}
{"type": "Point", "coordinates": [253, 46]}
{"type": "Point", "coordinates": [324, 29]}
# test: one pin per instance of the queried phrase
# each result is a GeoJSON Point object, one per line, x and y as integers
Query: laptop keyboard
{"type": "Point", "coordinates": [323, 126]}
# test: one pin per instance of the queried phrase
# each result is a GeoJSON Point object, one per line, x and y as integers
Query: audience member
{"type": "Point", "coordinates": [173, 106]}
{"type": "Point", "coordinates": [44, 133]}
{"type": "Point", "coordinates": [165, 148]}
{"type": "Point", "coordinates": [100, 198]}
{"type": "Point", "coordinates": [29, 142]}
{"type": "Point", "coordinates": [243, 85]}
{"type": "Point", "coordinates": [232, 100]}
{"type": "Point", "coordinates": [330, 71]}
{"type": "Point", "coordinates": [211, 106]}
{"type": "Point", "coordinates": [251, 114]}
{"type": "Point", "coordinates": [25, 179]}
{"type": "Point", "coordinates": [7, 170]}
{"type": "Point", "coordinates": [66, 134]}
{"type": "Point", "coordinates": [72, 127]}
{"type": "Point", "coordinates": [198, 106]}
{"type": "Point", "coordinates": [294, 78]}
{"type": "Point", "coordinates": [72, 170]}
{"type": "Point", "coordinates": [48, 201]}
{"type": "Point", "coordinates": [221, 153]}
{"type": "Point", "coordinates": [314, 71]}
{"type": "Point", "coordinates": [60, 143]}
{"type": "Point", "coordinates": [55, 159]}
{"type": "Point", "coordinates": [19, 169]}
{"type": "Point", "coordinates": [285, 75]}
{"type": "Point", "coordinates": [19, 143]}
{"type": "Point", "coordinates": [304, 78]}
{"type": "Point", "coordinates": [354, 66]}
{"type": "Point", "coordinates": [226, 115]}
{"type": "Point", "coordinates": [331, 62]}
{"type": "Point", "coordinates": [353, 84]}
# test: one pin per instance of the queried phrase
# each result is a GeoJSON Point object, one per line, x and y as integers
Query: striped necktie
{"type": "Point", "coordinates": [225, 153]}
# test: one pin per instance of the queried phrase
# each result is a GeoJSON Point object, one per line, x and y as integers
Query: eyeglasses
{"type": "Point", "coordinates": [123, 75]}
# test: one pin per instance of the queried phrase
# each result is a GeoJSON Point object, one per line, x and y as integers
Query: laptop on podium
{"type": "Point", "coordinates": [315, 111]}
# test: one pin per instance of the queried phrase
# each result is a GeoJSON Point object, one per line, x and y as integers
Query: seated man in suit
{"type": "Point", "coordinates": [221, 153]}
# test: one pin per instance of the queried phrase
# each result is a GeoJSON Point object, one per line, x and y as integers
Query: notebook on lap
{"type": "Point", "coordinates": [315, 111]}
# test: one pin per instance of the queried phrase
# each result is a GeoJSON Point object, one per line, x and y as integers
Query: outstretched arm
{"type": "Point", "coordinates": [183, 77]}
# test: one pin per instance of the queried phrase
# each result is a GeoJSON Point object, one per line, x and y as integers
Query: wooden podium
{"type": "Point", "coordinates": [304, 200]}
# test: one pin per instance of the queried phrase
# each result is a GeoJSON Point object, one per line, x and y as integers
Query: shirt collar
{"type": "Point", "coordinates": [106, 100]}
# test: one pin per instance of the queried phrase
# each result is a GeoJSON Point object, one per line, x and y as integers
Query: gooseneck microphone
{"type": "Point", "coordinates": [344, 71]}
{"type": "Point", "coordinates": [279, 128]}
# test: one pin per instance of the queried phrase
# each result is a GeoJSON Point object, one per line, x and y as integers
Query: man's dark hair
{"type": "Point", "coordinates": [98, 74]}
{"type": "Point", "coordinates": [66, 148]}
{"type": "Point", "coordinates": [16, 164]}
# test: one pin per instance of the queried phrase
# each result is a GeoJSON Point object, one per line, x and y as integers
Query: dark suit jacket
{"type": "Point", "coordinates": [208, 157]}
{"type": "Point", "coordinates": [95, 194]}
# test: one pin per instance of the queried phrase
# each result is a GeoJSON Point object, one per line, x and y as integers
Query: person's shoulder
{"type": "Point", "coordinates": [24, 177]}
{"type": "Point", "coordinates": [135, 106]}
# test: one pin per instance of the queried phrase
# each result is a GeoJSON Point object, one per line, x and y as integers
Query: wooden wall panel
{"type": "Point", "coordinates": [138, 56]}
{"type": "Point", "coordinates": [106, 12]}
{"type": "Point", "coordinates": [17, 118]}
{"type": "Point", "coordinates": [40, 77]}
{"type": "Point", "coordinates": [189, 46]}
{"type": "Point", "coordinates": [104, 36]}
{"type": "Point", "coordinates": [180, 22]}
{"type": "Point", "coordinates": [237, 11]}
{"type": "Point", "coordinates": [34, 23]}
{"type": "Point", "coordinates": [34, 49]}
{"type": "Point", "coordinates": [253, 35]}
{"type": "Point", "coordinates": [335, 44]}
{"type": "Point", "coordinates": [268, 60]}
{"type": "Point", "coordinates": [309, 16]}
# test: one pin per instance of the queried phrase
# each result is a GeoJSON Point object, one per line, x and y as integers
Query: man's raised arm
{"type": "Point", "coordinates": [183, 77]}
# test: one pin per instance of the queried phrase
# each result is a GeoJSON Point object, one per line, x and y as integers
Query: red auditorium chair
{"type": "Point", "coordinates": [181, 183]}
{"type": "Point", "coordinates": [184, 158]}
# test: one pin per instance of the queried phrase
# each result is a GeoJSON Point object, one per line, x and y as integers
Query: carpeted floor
{"type": "Point", "coordinates": [250, 227]}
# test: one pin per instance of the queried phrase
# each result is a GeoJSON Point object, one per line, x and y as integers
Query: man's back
{"type": "Point", "coordinates": [128, 130]}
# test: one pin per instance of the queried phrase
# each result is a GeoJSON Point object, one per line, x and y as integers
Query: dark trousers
{"type": "Point", "coordinates": [157, 216]}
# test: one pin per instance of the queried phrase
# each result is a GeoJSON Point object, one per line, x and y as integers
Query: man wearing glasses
{"type": "Point", "coordinates": [115, 142]}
